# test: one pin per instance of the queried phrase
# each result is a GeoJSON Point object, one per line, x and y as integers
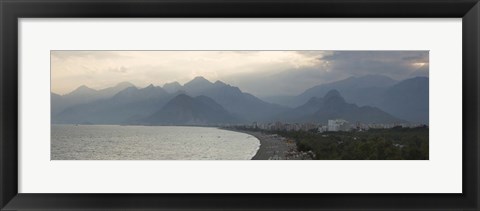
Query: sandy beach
{"type": "Point", "coordinates": [275, 147]}
{"type": "Point", "coordinates": [272, 146]}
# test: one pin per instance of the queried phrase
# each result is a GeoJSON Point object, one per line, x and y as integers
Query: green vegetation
{"type": "Point", "coordinates": [375, 144]}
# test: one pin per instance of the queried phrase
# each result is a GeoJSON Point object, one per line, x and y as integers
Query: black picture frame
{"type": "Point", "coordinates": [12, 10]}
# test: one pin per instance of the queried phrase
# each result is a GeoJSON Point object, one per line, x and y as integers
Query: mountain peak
{"type": "Point", "coordinates": [200, 79]}
{"type": "Point", "coordinates": [83, 90]}
{"type": "Point", "coordinates": [152, 89]}
{"type": "Point", "coordinates": [186, 110]}
{"type": "Point", "coordinates": [197, 85]}
{"type": "Point", "coordinates": [172, 84]}
{"type": "Point", "coordinates": [83, 87]}
{"type": "Point", "coordinates": [172, 87]}
{"type": "Point", "coordinates": [332, 93]}
{"type": "Point", "coordinates": [334, 99]}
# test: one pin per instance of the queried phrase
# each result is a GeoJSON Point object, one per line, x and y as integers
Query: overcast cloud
{"type": "Point", "coordinates": [262, 73]}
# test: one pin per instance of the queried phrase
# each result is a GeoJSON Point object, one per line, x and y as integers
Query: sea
{"type": "Point", "coordinates": [115, 142]}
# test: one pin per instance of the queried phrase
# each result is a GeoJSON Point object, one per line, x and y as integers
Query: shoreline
{"type": "Point", "coordinates": [273, 146]}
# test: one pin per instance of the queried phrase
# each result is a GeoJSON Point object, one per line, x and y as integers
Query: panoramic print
{"type": "Point", "coordinates": [239, 105]}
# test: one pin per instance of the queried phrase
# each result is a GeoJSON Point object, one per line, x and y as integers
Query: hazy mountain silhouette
{"type": "Point", "coordinates": [132, 94]}
{"type": "Point", "coordinates": [82, 91]}
{"type": "Point", "coordinates": [362, 90]}
{"type": "Point", "coordinates": [57, 103]}
{"type": "Point", "coordinates": [172, 87]}
{"type": "Point", "coordinates": [408, 99]}
{"type": "Point", "coordinates": [84, 94]}
{"type": "Point", "coordinates": [133, 104]}
{"type": "Point", "coordinates": [302, 113]}
{"type": "Point", "coordinates": [197, 86]}
{"type": "Point", "coordinates": [108, 92]}
{"type": "Point", "coordinates": [334, 106]}
{"type": "Point", "coordinates": [127, 105]}
{"type": "Point", "coordinates": [186, 110]}
{"type": "Point", "coordinates": [245, 105]}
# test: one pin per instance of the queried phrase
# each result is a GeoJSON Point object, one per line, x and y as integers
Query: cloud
{"type": "Point", "coordinates": [395, 64]}
{"type": "Point", "coordinates": [258, 72]}
{"type": "Point", "coordinates": [120, 69]}
{"type": "Point", "coordinates": [334, 66]}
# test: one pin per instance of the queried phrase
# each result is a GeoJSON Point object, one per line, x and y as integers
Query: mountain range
{"type": "Point", "coordinates": [407, 99]}
{"type": "Point", "coordinates": [84, 94]}
{"type": "Point", "coordinates": [333, 106]}
{"type": "Point", "coordinates": [370, 99]}
{"type": "Point", "coordinates": [186, 110]}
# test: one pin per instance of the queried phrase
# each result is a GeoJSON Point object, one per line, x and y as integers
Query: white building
{"type": "Point", "coordinates": [338, 125]}
{"type": "Point", "coordinates": [323, 128]}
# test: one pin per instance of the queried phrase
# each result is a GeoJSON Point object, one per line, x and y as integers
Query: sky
{"type": "Point", "coordinates": [262, 73]}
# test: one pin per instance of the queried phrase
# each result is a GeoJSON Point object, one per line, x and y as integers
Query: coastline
{"type": "Point", "coordinates": [274, 147]}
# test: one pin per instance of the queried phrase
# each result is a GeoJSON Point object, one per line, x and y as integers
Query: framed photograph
{"type": "Point", "coordinates": [251, 105]}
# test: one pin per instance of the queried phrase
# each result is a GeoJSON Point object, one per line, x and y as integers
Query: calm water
{"type": "Point", "coordinates": [112, 142]}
